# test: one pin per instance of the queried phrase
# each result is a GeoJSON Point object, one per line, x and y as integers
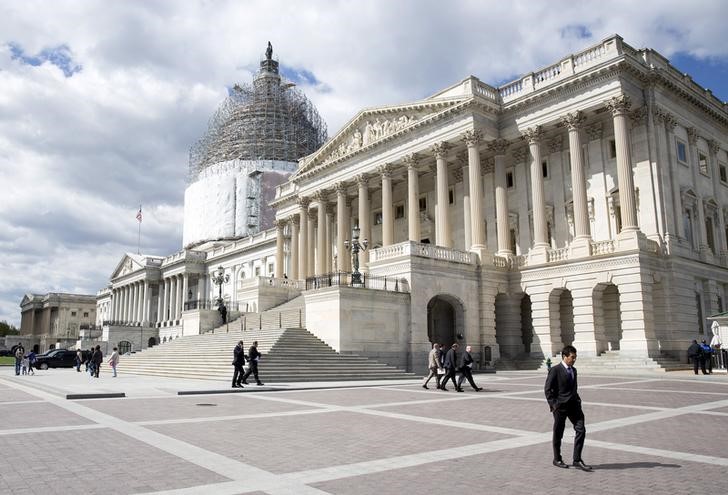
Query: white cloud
{"type": "Point", "coordinates": [79, 154]}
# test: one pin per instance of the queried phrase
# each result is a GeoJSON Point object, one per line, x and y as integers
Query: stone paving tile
{"type": "Point", "coordinates": [355, 397]}
{"type": "Point", "coordinates": [638, 397]}
{"type": "Point", "coordinates": [507, 413]}
{"type": "Point", "coordinates": [95, 462]}
{"type": "Point", "coordinates": [683, 385]}
{"type": "Point", "coordinates": [294, 443]}
{"type": "Point", "coordinates": [696, 434]}
{"type": "Point", "coordinates": [186, 407]}
{"type": "Point", "coordinates": [13, 395]}
{"type": "Point", "coordinates": [528, 471]}
{"type": "Point", "coordinates": [37, 415]}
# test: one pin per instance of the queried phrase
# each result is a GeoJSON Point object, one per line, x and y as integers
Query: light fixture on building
{"type": "Point", "coordinates": [355, 247]}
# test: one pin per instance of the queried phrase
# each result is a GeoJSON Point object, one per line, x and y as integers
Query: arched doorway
{"type": "Point", "coordinates": [152, 342]}
{"type": "Point", "coordinates": [444, 320]}
{"type": "Point", "coordinates": [561, 316]}
{"type": "Point", "coordinates": [124, 347]}
{"type": "Point", "coordinates": [607, 317]}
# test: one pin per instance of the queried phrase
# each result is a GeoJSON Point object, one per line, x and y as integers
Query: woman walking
{"type": "Point", "coordinates": [114, 360]}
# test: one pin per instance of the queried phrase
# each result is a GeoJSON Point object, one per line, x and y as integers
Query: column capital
{"type": "Point", "coordinates": [533, 134]}
{"type": "Point", "coordinates": [713, 146]}
{"type": "Point", "coordinates": [666, 119]}
{"type": "Point", "coordinates": [440, 149]}
{"type": "Point", "coordinates": [499, 146]}
{"type": "Point", "coordinates": [279, 223]}
{"type": "Point", "coordinates": [303, 202]}
{"type": "Point", "coordinates": [385, 170]}
{"type": "Point", "coordinates": [618, 105]}
{"type": "Point", "coordinates": [411, 160]}
{"type": "Point", "coordinates": [321, 197]}
{"type": "Point", "coordinates": [362, 180]}
{"type": "Point", "coordinates": [472, 137]}
{"type": "Point", "coordinates": [340, 188]}
{"type": "Point", "coordinates": [574, 121]}
{"type": "Point", "coordinates": [692, 135]}
{"type": "Point", "coordinates": [293, 220]}
{"type": "Point", "coordinates": [594, 131]}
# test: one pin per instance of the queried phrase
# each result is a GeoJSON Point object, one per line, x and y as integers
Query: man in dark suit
{"type": "Point", "coordinates": [466, 366]}
{"type": "Point", "coordinates": [253, 358]}
{"type": "Point", "coordinates": [564, 402]}
{"type": "Point", "coordinates": [238, 363]}
{"type": "Point", "coordinates": [451, 366]}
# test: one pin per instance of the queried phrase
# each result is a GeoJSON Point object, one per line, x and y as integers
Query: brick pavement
{"type": "Point", "coordinates": [652, 434]}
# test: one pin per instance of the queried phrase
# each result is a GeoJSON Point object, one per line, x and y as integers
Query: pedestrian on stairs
{"type": "Point", "coordinates": [253, 358]}
{"type": "Point", "coordinates": [238, 363]}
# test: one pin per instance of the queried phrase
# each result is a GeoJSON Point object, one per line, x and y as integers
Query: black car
{"type": "Point", "coordinates": [57, 358]}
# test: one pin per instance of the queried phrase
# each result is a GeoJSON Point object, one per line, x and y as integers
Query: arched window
{"type": "Point", "coordinates": [124, 347]}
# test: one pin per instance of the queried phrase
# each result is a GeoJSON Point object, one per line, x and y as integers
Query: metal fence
{"type": "Point", "coordinates": [268, 320]}
{"type": "Point", "coordinates": [367, 281]}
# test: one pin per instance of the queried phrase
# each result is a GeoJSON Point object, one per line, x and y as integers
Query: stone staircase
{"type": "Point", "coordinates": [289, 355]}
{"type": "Point", "coordinates": [609, 361]}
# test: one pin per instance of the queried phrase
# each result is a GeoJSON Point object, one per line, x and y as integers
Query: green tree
{"type": "Point", "coordinates": [8, 329]}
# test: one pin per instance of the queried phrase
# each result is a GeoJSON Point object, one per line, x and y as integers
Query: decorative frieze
{"type": "Point", "coordinates": [594, 131]}
{"type": "Point", "coordinates": [556, 144]}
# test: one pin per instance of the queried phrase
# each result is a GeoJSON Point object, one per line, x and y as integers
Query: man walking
{"type": "Point", "coordinates": [253, 358]}
{"type": "Point", "coordinates": [564, 402]}
{"type": "Point", "coordinates": [450, 365]}
{"type": "Point", "coordinates": [97, 359]}
{"type": "Point", "coordinates": [19, 355]}
{"type": "Point", "coordinates": [433, 364]}
{"type": "Point", "coordinates": [466, 370]}
{"type": "Point", "coordinates": [694, 352]}
{"type": "Point", "coordinates": [238, 363]}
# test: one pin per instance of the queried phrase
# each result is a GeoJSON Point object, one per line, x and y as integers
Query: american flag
{"type": "Point", "coordinates": [139, 215]}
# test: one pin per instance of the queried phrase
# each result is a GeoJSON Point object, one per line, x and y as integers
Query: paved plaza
{"type": "Point", "coordinates": [645, 434]}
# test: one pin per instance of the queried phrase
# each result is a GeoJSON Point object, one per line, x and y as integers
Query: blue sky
{"type": "Point", "coordinates": [100, 101]}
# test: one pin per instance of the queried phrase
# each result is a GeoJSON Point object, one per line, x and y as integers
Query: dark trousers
{"type": "Point", "coordinates": [433, 373]}
{"type": "Point", "coordinates": [449, 375]}
{"type": "Point", "coordinates": [465, 372]}
{"type": "Point", "coordinates": [97, 368]}
{"type": "Point", "coordinates": [696, 363]}
{"type": "Point", "coordinates": [702, 363]}
{"type": "Point", "coordinates": [571, 410]}
{"type": "Point", "coordinates": [253, 368]}
{"type": "Point", "coordinates": [17, 366]}
{"type": "Point", "coordinates": [238, 374]}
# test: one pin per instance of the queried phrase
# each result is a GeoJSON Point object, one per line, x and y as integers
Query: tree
{"type": "Point", "coordinates": [8, 329]}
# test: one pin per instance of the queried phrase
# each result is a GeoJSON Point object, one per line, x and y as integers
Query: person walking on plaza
{"type": "Point", "coordinates": [238, 363]}
{"type": "Point", "coordinates": [24, 365]}
{"type": "Point", "coordinates": [466, 370]}
{"type": "Point", "coordinates": [253, 358]}
{"type": "Point", "coordinates": [97, 359]}
{"type": "Point", "coordinates": [694, 352]}
{"type": "Point", "coordinates": [79, 359]}
{"type": "Point", "coordinates": [114, 360]}
{"type": "Point", "coordinates": [31, 362]}
{"type": "Point", "coordinates": [433, 364]}
{"type": "Point", "coordinates": [450, 365]}
{"type": "Point", "coordinates": [19, 353]}
{"type": "Point", "coordinates": [564, 402]}
{"type": "Point", "coordinates": [706, 360]}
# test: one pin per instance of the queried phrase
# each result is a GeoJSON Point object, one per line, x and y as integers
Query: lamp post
{"type": "Point", "coordinates": [219, 277]}
{"type": "Point", "coordinates": [355, 247]}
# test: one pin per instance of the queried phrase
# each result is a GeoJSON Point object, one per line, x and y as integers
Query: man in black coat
{"type": "Point", "coordinates": [466, 366]}
{"type": "Point", "coordinates": [238, 362]}
{"type": "Point", "coordinates": [253, 358]}
{"type": "Point", "coordinates": [694, 354]}
{"type": "Point", "coordinates": [564, 402]}
{"type": "Point", "coordinates": [451, 366]}
{"type": "Point", "coordinates": [98, 358]}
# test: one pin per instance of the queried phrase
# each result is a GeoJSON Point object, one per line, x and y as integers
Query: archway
{"type": "Point", "coordinates": [124, 347]}
{"type": "Point", "coordinates": [561, 317]}
{"type": "Point", "coordinates": [444, 320]}
{"type": "Point", "coordinates": [513, 324]}
{"type": "Point", "coordinates": [151, 342]}
{"type": "Point", "coordinates": [607, 317]}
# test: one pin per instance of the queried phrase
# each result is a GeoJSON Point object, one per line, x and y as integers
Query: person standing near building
{"type": "Point", "coordinates": [433, 364]}
{"type": "Point", "coordinates": [97, 359]}
{"type": "Point", "coordinates": [31, 362]}
{"type": "Point", "coordinates": [466, 370]}
{"type": "Point", "coordinates": [253, 358]}
{"type": "Point", "coordinates": [706, 360]}
{"type": "Point", "coordinates": [19, 353]}
{"type": "Point", "coordinates": [114, 360]}
{"type": "Point", "coordinates": [79, 359]}
{"type": "Point", "coordinates": [238, 363]}
{"type": "Point", "coordinates": [450, 365]}
{"type": "Point", "coordinates": [694, 352]}
{"type": "Point", "coordinates": [564, 402]}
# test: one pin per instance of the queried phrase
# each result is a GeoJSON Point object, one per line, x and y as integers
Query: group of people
{"type": "Point", "coordinates": [240, 376]}
{"type": "Point", "coordinates": [93, 360]}
{"type": "Point", "coordinates": [445, 366]}
{"type": "Point", "coordinates": [701, 354]}
{"type": "Point", "coordinates": [23, 362]}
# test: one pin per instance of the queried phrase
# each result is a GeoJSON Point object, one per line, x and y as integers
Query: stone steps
{"type": "Point", "coordinates": [607, 361]}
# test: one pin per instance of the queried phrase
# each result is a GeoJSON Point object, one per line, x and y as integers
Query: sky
{"type": "Point", "coordinates": [100, 101]}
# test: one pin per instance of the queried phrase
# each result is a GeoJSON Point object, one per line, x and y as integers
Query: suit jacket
{"type": "Point", "coordinates": [253, 354]}
{"type": "Point", "coordinates": [559, 389]}
{"type": "Point", "coordinates": [238, 356]}
{"type": "Point", "coordinates": [451, 359]}
{"type": "Point", "coordinates": [433, 359]}
{"type": "Point", "coordinates": [465, 360]}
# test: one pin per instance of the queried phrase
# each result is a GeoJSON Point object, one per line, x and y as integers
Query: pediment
{"type": "Point", "coordinates": [127, 265]}
{"type": "Point", "coordinates": [373, 126]}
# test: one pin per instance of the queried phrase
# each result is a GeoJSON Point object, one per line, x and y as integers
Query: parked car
{"type": "Point", "coordinates": [57, 358]}
{"type": "Point", "coordinates": [5, 353]}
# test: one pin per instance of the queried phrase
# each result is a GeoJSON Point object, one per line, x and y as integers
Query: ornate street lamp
{"type": "Point", "coordinates": [355, 247]}
{"type": "Point", "coordinates": [219, 277]}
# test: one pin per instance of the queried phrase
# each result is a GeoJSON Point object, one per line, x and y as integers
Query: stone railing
{"type": "Point", "coordinates": [487, 92]}
{"type": "Point", "coordinates": [561, 254]}
{"type": "Point", "coordinates": [410, 248]}
{"type": "Point", "coordinates": [282, 283]}
{"type": "Point", "coordinates": [545, 76]}
{"type": "Point", "coordinates": [185, 254]}
{"type": "Point", "coordinates": [602, 247]}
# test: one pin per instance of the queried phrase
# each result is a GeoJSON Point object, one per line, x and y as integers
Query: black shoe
{"type": "Point", "coordinates": [560, 464]}
{"type": "Point", "coordinates": [460, 389]}
{"type": "Point", "coordinates": [479, 389]}
{"type": "Point", "coordinates": [582, 466]}
{"type": "Point", "coordinates": [260, 383]}
{"type": "Point", "coordinates": [245, 382]}
{"type": "Point", "coordinates": [443, 389]}
{"type": "Point", "coordinates": [425, 386]}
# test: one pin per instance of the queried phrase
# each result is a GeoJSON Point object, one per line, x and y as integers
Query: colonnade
{"type": "Point", "coordinates": [302, 225]}
{"type": "Point", "coordinates": [131, 303]}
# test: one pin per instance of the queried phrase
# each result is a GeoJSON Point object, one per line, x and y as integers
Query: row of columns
{"type": "Point", "coordinates": [131, 303]}
{"type": "Point", "coordinates": [302, 248]}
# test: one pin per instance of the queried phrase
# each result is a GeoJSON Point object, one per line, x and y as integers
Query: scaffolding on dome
{"type": "Point", "coordinates": [269, 119]}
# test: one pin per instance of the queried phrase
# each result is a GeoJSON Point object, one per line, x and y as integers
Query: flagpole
{"type": "Point", "coordinates": [139, 233]}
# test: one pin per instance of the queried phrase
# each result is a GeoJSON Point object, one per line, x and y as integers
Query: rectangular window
{"type": "Point", "coordinates": [423, 203]}
{"type": "Point", "coordinates": [510, 181]}
{"type": "Point", "coordinates": [73, 313]}
{"type": "Point", "coordinates": [612, 149]}
{"type": "Point", "coordinates": [682, 152]}
{"type": "Point", "coordinates": [270, 269]}
{"type": "Point", "coordinates": [377, 218]}
{"type": "Point", "coordinates": [703, 163]}
{"type": "Point", "coordinates": [85, 314]}
{"type": "Point", "coordinates": [257, 271]}
{"type": "Point", "coordinates": [723, 172]}
{"type": "Point", "coordinates": [545, 169]}
{"type": "Point", "coordinates": [398, 211]}
{"type": "Point", "coordinates": [451, 195]}
{"type": "Point", "coordinates": [709, 234]}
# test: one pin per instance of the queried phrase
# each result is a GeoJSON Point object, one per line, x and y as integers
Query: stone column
{"type": "Point", "coordinates": [173, 298]}
{"type": "Point", "coordinates": [442, 222]}
{"type": "Point", "coordinates": [499, 146]}
{"type": "Point", "coordinates": [694, 165]}
{"type": "Point", "coordinates": [364, 215]}
{"type": "Point", "coordinates": [168, 299]}
{"type": "Point", "coordinates": [581, 245]}
{"type": "Point", "coordinates": [140, 301]}
{"type": "Point", "coordinates": [345, 262]}
{"type": "Point", "coordinates": [279, 248]}
{"type": "Point", "coordinates": [185, 289]}
{"type": "Point", "coordinates": [295, 275]}
{"type": "Point", "coordinates": [126, 303]}
{"type": "Point", "coordinates": [387, 209]}
{"type": "Point", "coordinates": [180, 296]}
{"type": "Point", "coordinates": [619, 106]}
{"type": "Point", "coordinates": [341, 233]}
{"type": "Point", "coordinates": [160, 302]}
{"type": "Point", "coordinates": [311, 248]}
{"type": "Point", "coordinates": [714, 148]}
{"type": "Point", "coordinates": [147, 301]}
{"type": "Point", "coordinates": [330, 210]}
{"type": "Point", "coordinates": [321, 235]}
{"type": "Point", "coordinates": [413, 199]}
{"type": "Point", "coordinates": [475, 189]}
{"type": "Point", "coordinates": [303, 239]}
{"type": "Point", "coordinates": [461, 175]}
{"type": "Point", "coordinates": [540, 230]}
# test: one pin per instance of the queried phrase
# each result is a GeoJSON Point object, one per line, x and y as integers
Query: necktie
{"type": "Point", "coordinates": [570, 372]}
